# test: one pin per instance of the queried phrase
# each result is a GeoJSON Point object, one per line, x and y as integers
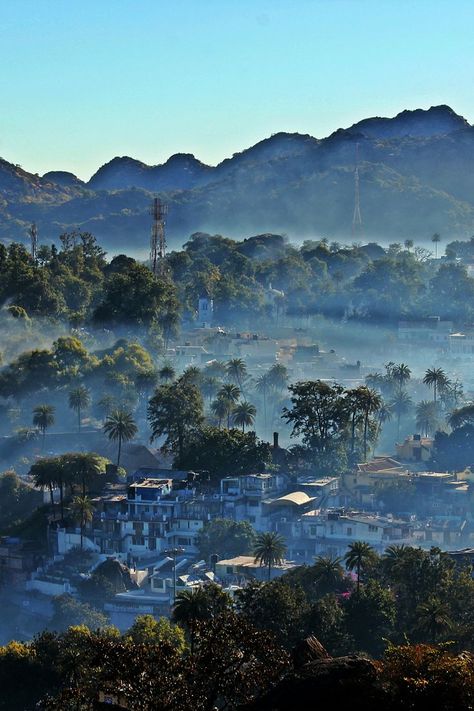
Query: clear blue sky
{"type": "Point", "coordinates": [82, 81]}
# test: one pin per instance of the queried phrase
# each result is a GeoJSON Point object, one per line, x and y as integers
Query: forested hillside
{"type": "Point", "coordinates": [415, 179]}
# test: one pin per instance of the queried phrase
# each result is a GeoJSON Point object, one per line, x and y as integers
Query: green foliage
{"type": "Point", "coordinates": [68, 612]}
{"type": "Point", "coordinates": [224, 453]}
{"type": "Point", "coordinates": [17, 501]}
{"type": "Point", "coordinates": [147, 630]}
{"type": "Point", "coordinates": [176, 411]}
{"type": "Point", "coordinates": [225, 538]}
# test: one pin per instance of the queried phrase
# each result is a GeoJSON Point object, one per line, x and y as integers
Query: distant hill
{"type": "Point", "coordinates": [416, 178]}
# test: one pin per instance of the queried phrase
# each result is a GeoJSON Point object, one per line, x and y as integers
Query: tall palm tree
{"type": "Point", "coordinates": [229, 394]}
{"type": "Point", "coordinates": [45, 475]}
{"type": "Point", "coordinates": [278, 376]}
{"type": "Point", "coordinates": [400, 404]}
{"type": "Point", "coordinates": [328, 572]}
{"type": "Point", "coordinates": [167, 373]}
{"type": "Point", "coordinates": [437, 379]}
{"type": "Point", "coordinates": [120, 426]}
{"type": "Point", "coordinates": [436, 239]}
{"type": "Point", "coordinates": [237, 371]}
{"type": "Point", "coordinates": [393, 556]}
{"type": "Point", "coordinates": [244, 415]}
{"type": "Point", "coordinates": [359, 555]}
{"type": "Point", "coordinates": [209, 387]}
{"type": "Point", "coordinates": [354, 400]}
{"type": "Point", "coordinates": [269, 550]}
{"type": "Point", "coordinates": [401, 374]}
{"type": "Point", "coordinates": [262, 386]}
{"type": "Point", "coordinates": [426, 416]}
{"type": "Point", "coordinates": [190, 607]}
{"type": "Point", "coordinates": [433, 618]}
{"type": "Point", "coordinates": [192, 375]}
{"type": "Point", "coordinates": [79, 399]}
{"type": "Point", "coordinates": [43, 417]}
{"type": "Point", "coordinates": [370, 402]}
{"type": "Point", "coordinates": [82, 511]}
{"type": "Point", "coordinates": [82, 468]}
{"type": "Point", "coordinates": [107, 403]}
{"type": "Point", "coordinates": [219, 409]}
{"type": "Point", "coordinates": [383, 415]}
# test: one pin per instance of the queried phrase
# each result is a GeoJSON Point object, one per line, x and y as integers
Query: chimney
{"type": "Point", "coordinates": [275, 440]}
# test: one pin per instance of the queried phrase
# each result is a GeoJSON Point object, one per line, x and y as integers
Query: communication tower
{"type": "Point", "coordinates": [356, 218]}
{"type": "Point", "coordinates": [33, 232]}
{"type": "Point", "coordinates": [159, 210]}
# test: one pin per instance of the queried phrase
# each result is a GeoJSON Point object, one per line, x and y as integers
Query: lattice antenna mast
{"type": "Point", "coordinates": [357, 218]}
{"type": "Point", "coordinates": [159, 210]}
{"type": "Point", "coordinates": [33, 232]}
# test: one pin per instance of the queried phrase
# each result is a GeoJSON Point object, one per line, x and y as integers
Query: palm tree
{"type": "Point", "coordinates": [106, 404]}
{"type": "Point", "coordinates": [433, 618]}
{"type": "Point", "coordinates": [120, 426]}
{"type": "Point", "coordinates": [219, 408]}
{"type": "Point", "coordinates": [436, 239]}
{"type": "Point", "coordinates": [278, 377]}
{"type": "Point", "coordinates": [244, 415]}
{"type": "Point", "coordinates": [82, 468]}
{"type": "Point", "coordinates": [209, 387]}
{"type": "Point", "coordinates": [269, 550]}
{"type": "Point", "coordinates": [328, 572]}
{"type": "Point", "coordinates": [262, 386]}
{"type": "Point", "coordinates": [401, 404]}
{"type": "Point", "coordinates": [384, 415]}
{"type": "Point", "coordinates": [79, 399]}
{"type": "Point", "coordinates": [426, 416]}
{"type": "Point", "coordinates": [167, 373]}
{"type": "Point", "coordinates": [409, 244]}
{"type": "Point", "coordinates": [230, 395]}
{"type": "Point", "coordinates": [45, 475]}
{"type": "Point", "coordinates": [359, 555]}
{"type": "Point", "coordinates": [43, 417]}
{"type": "Point", "coordinates": [190, 607]}
{"type": "Point", "coordinates": [401, 374]}
{"type": "Point", "coordinates": [237, 371]}
{"type": "Point", "coordinates": [192, 375]}
{"type": "Point", "coordinates": [82, 511]}
{"type": "Point", "coordinates": [393, 556]}
{"type": "Point", "coordinates": [437, 379]}
{"type": "Point", "coordinates": [354, 407]}
{"type": "Point", "coordinates": [370, 403]}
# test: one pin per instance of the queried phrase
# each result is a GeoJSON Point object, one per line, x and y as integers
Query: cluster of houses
{"type": "Point", "coordinates": [151, 524]}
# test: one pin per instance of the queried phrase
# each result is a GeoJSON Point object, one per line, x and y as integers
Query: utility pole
{"type": "Point", "coordinates": [173, 552]}
{"type": "Point", "coordinates": [356, 218]}
{"type": "Point", "coordinates": [158, 212]}
{"type": "Point", "coordinates": [33, 233]}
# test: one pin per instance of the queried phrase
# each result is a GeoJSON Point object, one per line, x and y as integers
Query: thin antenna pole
{"type": "Point", "coordinates": [158, 211]}
{"type": "Point", "coordinates": [33, 233]}
{"type": "Point", "coordinates": [356, 218]}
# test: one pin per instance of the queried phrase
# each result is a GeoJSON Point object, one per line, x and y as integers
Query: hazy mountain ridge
{"type": "Point", "coordinates": [415, 170]}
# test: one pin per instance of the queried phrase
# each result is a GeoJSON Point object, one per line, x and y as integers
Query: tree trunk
{"type": "Point", "coordinates": [358, 576]}
{"type": "Point", "coordinates": [82, 535]}
{"type": "Point", "coordinates": [119, 450]}
{"type": "Point", "coordinates": [44, 437]}
{"type": "Point", "coordinates": [51, 495]}
{"type": "Point", "coordinates": [269, 570]}
{"type": "Point", "coordinates": [61, 500]}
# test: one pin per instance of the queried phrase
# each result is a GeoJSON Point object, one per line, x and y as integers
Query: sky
{"type": "Point", "coordinates": [82, 81]}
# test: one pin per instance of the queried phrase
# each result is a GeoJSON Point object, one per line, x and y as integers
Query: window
{"type": "Point", "coordinates": [331, 529]}
{"type": "Point", "coordinates": [312, 530]}
{"type": "Point", "coordinates": [229, 570]}
{"type": "Point", "coordinates": [349, 531]}
{"type": "Point", "coordinates": [138, 541]}
{"type": "Point", "coordinates": [372, 528]}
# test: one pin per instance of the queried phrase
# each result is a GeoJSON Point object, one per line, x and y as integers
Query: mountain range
{"type": "Point", "coordinates": [416, 178]}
